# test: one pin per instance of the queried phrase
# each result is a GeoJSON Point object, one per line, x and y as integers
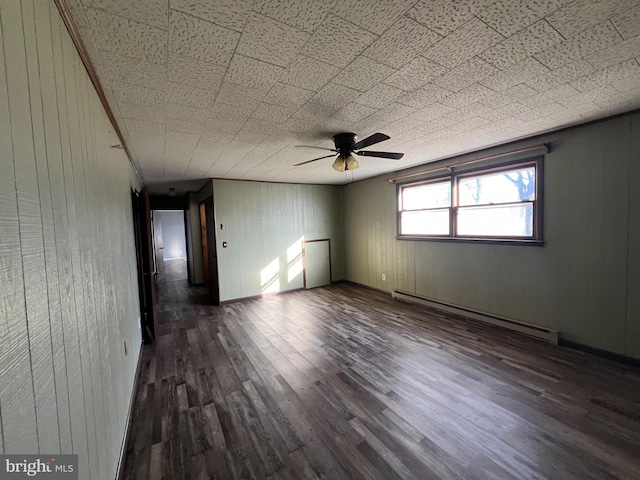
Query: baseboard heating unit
{"type": "Point", "coordinates": [521, 327]}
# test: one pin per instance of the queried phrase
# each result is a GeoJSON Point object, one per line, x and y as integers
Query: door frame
{"type": "Point", "coordinates": [210, 247]}
{"type": "Point", "coordinates": [158, 247]}
{"type": "Point", "coordinates": [304, 256]}
{"type": "Point", "coordinates": [205, 242]}
{"type": "Point", "coordinates": [144, 262]}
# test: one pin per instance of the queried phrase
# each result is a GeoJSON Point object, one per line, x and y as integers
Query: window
{"type": "Point", "coordinates": [496, 203]}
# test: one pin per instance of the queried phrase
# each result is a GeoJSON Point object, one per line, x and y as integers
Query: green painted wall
{"type": "Point", "coordinates": [633, 286]}
{"type": "Point", "coordinates": [68, 279]}
{"type": "Point", "coordinates": [263, 222]}
{"type": "Point", "coordinates": [584, 281]}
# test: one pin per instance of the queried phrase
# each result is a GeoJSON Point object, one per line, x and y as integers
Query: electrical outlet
{"type": "Point", "coordinates": [384, 277]}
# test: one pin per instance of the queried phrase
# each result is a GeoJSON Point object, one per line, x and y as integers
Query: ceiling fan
{"type": "Point", "coordinates": [346, 145]}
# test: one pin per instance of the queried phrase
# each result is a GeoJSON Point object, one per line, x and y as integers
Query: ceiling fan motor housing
{"type": "Point", "coordinates": [344, 143]}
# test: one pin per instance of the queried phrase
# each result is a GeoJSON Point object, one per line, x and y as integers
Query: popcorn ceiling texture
{"type": "Point", "coordinates": [504, 58]}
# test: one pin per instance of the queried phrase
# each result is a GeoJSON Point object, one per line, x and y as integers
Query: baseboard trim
{"type": "Point", "coordinates": [255, 297]}
{"type": "Point", "coordinates": [508, 323]}
{"type": "Point", "coordinates": [598, 352]}
{"type": "Point", "coordinates": [132, 401]}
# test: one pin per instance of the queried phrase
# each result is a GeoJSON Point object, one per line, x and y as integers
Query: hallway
{"type": "Point", "coordinates": [343, 382]}
{"type": "Point", "coordinates": [175, 270]}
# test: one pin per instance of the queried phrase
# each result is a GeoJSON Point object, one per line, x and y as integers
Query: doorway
{"type": "Point", "coordinates": [170, 245]}
{"type": "Point", "coordinates": [209, 250]}
{"type": "Point", "coordinates": [317, 254]}
{"type": "Point", "coordinates": [145, 264]}
{"type": "Point", "coordinates": [203, 233]}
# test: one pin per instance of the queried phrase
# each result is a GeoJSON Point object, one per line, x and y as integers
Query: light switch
{"type": "Point", "coordinates": [222, 226]}
{"type": "Point", "coordinates": [224, 244]}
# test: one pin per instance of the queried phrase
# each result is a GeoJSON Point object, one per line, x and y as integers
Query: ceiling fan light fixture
{"type": "Point", "coordinates": [346, 146]}
{"type": "Point", "coordinates": [352, 163]}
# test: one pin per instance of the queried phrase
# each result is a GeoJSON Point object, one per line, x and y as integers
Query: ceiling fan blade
{"type": "Point", "coordinates": [390, 155]}
{"type": "Point", "coordinates": [314, 159]}
{"type": "Point", "coordinates": [319, 148]}
{"type": "Point", "coordinates": [370, 140]}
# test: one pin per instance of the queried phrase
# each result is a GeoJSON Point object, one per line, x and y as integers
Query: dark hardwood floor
{"type": "Point", "coordinates": [344, 382]}
{"type": "Point", "coordinates": [175, 269]}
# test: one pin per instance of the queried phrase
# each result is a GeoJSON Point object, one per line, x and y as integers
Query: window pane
{"type": "Point", "coordinates": [428, 222]}
{"type": "Point", "coordinates": [431, 195]}
{"type": "Point", "coordinates": [503, 187]}
{"type": "Point", "coordinates": [496, 221]}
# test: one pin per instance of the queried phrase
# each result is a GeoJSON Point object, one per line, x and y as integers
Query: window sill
{"type": "Point", "coordinates": [490, 241]}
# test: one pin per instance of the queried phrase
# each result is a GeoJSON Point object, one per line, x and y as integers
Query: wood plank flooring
{"type": "Point", "coordinates": [175, 269]}
{"type": "Point", "coordinates": [344, 382]}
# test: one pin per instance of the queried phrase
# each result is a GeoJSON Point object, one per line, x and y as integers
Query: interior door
{"type": "Point", "coordinates": [317, 254]}
{"type": "Point", "coordinates": [212, 256]}
{"type": "Point", "coordinates": [144, 257]}
{"type": "Point", "coordinates": [205, 242]}
{"type": "Point", "coordinates": [158, 247]}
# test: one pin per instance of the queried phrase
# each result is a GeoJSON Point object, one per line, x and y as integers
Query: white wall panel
{"type": "Point", "coordinates": [90, 261]}
{"type": "Point", "coordinates": [67, 255]}
{"type": "Point", "coordinates": [51, 208]}
{"type": "Point", "coordinates": [35, 262]}
{"type": "Point", "coordinates": [17, 401]}
{"type": "Point", "coordinates": [74, 204]}
{"type": "Point", "coordinates": [60, 174]}
{"type": "Point", "coordinates": [263, 223]}
{"type": "Point", "coordinates": [576, 283]}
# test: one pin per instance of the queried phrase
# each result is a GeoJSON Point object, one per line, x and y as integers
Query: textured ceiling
{"type": "Point", "coordinates": [228, 88]}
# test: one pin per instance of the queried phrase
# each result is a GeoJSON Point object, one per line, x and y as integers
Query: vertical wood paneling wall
{"type": "Point", "coordinates": [633, 286]}
{"type": "Point", "coordinates": [262, 221]}
{"type": "Point", "coordinates": [68, 288]}
{"type": "Point", "coordinates": [585, 281]}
